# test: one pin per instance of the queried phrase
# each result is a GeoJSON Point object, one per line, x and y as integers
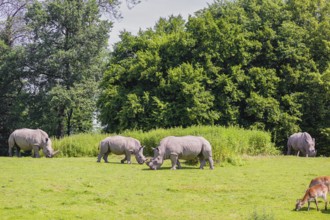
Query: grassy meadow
{"type": "Point", "coordinates": [79, 188]}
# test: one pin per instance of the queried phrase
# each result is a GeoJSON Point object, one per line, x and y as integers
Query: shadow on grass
{"type": "Point", "coordinates": [313, 209]}
{"type": "Point", "coordinates": [169, 168]}
{"type": "Point", "coordinates": [325, 211]}
{"type": "Point", "coordinates": [109, 162]}
{"type": "Point", "coordinates": [119, 162]}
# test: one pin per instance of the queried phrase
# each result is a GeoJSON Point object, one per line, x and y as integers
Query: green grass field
{"type": "Point", "coordinates": [80, 188]}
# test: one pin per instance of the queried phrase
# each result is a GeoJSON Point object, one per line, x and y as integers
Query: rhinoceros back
{"type": "Point", "coordinates": [134, 143]}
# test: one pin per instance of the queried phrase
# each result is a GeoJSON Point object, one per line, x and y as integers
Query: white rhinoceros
{"type": "Point", "coordinates": [186, 147]}
{"type": "Point", "coordinates": [121, 145]}
{"type": "Point", "coordinates": [302, 142]}
{"type": "Point", "coordinates": [30, 139]}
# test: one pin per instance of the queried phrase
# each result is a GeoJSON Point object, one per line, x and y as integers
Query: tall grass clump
{"type": "Point", "coordinates": [228, 143]}
{"type": "Point", "coordinates": [261, 216]}
{"type": "Point", "coordinates": [78, 145]}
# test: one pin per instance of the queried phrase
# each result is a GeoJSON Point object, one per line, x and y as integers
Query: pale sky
{"type": "Point", "coordinates": [147, 13]}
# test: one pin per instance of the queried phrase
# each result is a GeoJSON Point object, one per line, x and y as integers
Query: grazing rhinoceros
{"type": "Point", "coordinates": [30, 139]}
{"type": "Point", "coordinates": [121, 145]}
{"type": "Point", "coordinates": [302, 142]}
{"type": "Point", "coordinates": [186, 147]}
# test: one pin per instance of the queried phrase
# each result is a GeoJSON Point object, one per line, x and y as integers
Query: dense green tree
{"type": "Point", "coordinates": [149, 85]}
{"type": "Point", "coordinates": [253, 63]}
{"type": "Point", "coordinates": [12, 62]}
{"type": "Point", "coordinates": [80, 104]}
{"type": "Point", "coordinates": [13, 30]}
{"type": "Point", "coordinates": [52, 55]}
{"type": "Point", "coordinates": [10, 86]}
{"type": "Point", "coordinates": [67, 38]}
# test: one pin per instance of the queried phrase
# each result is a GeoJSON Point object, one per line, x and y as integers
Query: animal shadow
{"type": "Point", "coordinates": [313, 208]}
{"type": "Point", "coordinates": [169, 168]}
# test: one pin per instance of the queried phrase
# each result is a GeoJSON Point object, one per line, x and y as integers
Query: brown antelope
{"type": "Point", "coordinates": [314, 192]}
{"type": "Point", "coordinates": [321, 179]}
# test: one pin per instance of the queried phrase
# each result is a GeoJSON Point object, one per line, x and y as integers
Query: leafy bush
{"type": "Point", "coordinates": [322, 142]}
{"type": "Point", "coordinates": [228, 144]}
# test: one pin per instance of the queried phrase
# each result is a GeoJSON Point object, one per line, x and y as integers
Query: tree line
{"type": "Point", "coordinates": [53, 53]}
{"type": "Point", "coordinates": [260, 64]}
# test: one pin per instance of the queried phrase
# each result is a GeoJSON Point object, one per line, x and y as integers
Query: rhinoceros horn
{"type": "Point", "coordinates": [56, 152]}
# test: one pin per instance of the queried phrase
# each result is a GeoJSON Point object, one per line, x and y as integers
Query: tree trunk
{"type": "Point", "coordinates": [69, 125]}
{"type": "Point", "coordinates": [60, 122]}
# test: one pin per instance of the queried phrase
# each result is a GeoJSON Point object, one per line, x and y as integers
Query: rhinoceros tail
{"type": "Point", "coordinates": [288, 145]}
{"type": "Point", "coordinates": [11, 141]}
{"type": "Point", "coordinates": [206, 149]}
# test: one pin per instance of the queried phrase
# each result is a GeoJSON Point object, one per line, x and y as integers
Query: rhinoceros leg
{"type": "Point", "coordinates": [202, 162]}
{"type": "Point", "coordinates": [178, 164]}
{"type": "Point", "coordinates": [104, 152]}
{"type": "Point", "coordinates": [10, 151]}
{"type": "Point", "coordinates": [99, 158]}
{"type": "Point", "coordinates": [123, 160]}
{"type": "Point", "coordinates": [174, 160]}
{"type": "Point", "coordinates": [289, 150]}
{"type": "Point", "coordinates": [128, 157]}
{"type": "Point", "coordinates": [211, 163]}
{"type": "Point", "coordinates": [18, 151]}
{"type": "Point", "coordinates": [36, 152]}
{"type": "Point", "coordinates": [105, 157]}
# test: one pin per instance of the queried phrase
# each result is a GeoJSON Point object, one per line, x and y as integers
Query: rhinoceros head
{"type": "Point", "coordinates": [157, 160]}
{"type": "Point", "coordinates": [48, 150]}
{"type": "Point", "coordinates": [139, 156]}
{"type": "Point", "coordinates": [311, 147]}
